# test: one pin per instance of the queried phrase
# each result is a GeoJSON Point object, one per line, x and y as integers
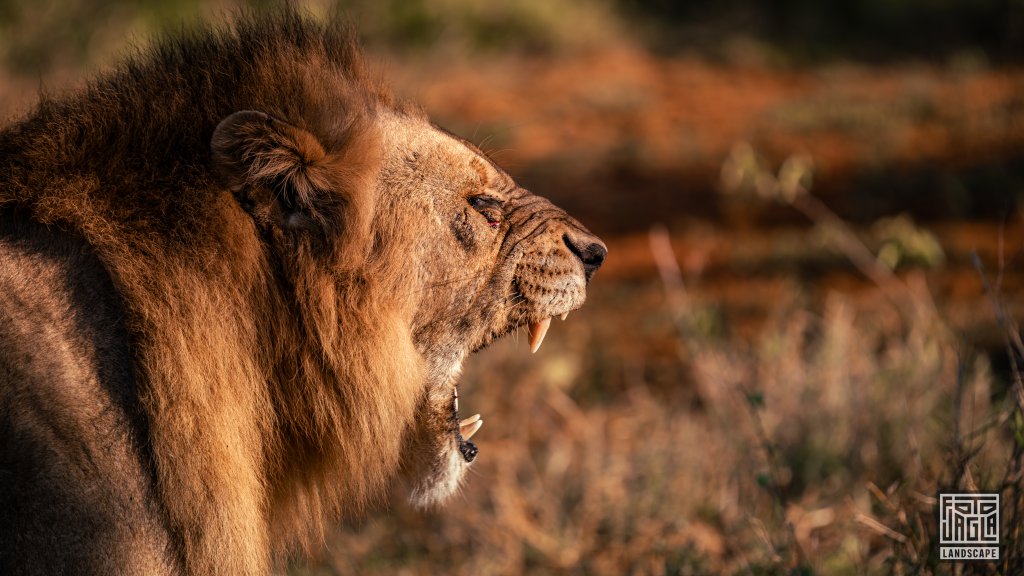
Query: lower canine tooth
{"type": "Point", "coordinates": [537, 332]}
{"type": "Point", "coordinates": [467, 430]}
{"type": "Point", "coordinates": [468, 421]}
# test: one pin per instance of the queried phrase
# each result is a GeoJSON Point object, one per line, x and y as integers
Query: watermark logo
{"type": "Point", "coordinates": [969, 526]}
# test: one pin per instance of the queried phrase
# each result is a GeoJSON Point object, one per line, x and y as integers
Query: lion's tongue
{"type": "Point", "coordinates": [537, 332]}
{"type": "Point", "coordinates": [469, 426]}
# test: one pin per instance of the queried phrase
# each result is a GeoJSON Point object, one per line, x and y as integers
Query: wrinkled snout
{"type": "Point", "coordinates": [587, 247]}
{"type": "Point", "coordinates": [548, 230]}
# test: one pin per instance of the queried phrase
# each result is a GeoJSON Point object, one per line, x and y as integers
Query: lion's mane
{"type": "Point", "coordinates": [273, 389]}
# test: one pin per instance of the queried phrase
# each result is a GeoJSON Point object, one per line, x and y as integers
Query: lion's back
{"type": "Point", "coordinates": [72, 456]}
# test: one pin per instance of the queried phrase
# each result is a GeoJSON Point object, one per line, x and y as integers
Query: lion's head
{"type": "Point", "coordinates": [492, 257]}
{"type": "Point", "coordinates": [303, 262]}
{"type": "Point", "coordinates": [480, 256]}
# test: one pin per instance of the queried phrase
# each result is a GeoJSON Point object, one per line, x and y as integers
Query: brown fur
{"type": "Point", "coordinates": [219, 234]}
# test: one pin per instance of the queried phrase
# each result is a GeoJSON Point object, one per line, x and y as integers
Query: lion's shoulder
{"type": "Point", "coordinates": [67, 399]}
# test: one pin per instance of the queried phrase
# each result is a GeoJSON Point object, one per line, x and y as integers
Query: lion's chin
{"type": "Point", "coordinates": [435, 488]}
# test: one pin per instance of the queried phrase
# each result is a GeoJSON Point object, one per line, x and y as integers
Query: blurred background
{"type": "Point", "coordinates": [806, 326]}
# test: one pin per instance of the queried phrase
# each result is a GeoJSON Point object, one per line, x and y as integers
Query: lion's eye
{"type": "Point", "coordinates": [489, 208]}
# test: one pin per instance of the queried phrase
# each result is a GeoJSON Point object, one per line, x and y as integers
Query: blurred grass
{"type": "Point", "coordinates": [479, 26]}
{"type": "Point", "coordinates": [40, 36]}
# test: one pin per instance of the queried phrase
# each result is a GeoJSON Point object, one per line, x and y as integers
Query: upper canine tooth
{"type": "Point", "coordinates": [537, 332]}
{"type": "Point", "coordinates": [564, 316]}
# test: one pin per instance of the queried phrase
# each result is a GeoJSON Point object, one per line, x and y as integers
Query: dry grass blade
{"type": "Point", "coordinates": [879, 528]}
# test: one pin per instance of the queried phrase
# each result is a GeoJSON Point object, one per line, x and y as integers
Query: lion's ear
{"type": "Point", "coordinates": [274, 167]}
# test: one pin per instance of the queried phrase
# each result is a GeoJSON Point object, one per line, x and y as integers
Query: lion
{"type": "Point", "coordinates": [238, 279]}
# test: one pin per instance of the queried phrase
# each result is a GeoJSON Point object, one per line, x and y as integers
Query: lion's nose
{"type": "Point", "coordinates": [588, 248]}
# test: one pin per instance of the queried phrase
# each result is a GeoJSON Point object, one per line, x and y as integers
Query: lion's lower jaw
{"type": "Point", "coordinates": [436, 487]}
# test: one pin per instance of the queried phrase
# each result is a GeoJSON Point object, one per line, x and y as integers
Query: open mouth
{"type": "Point", "coordinates": [467, 427]}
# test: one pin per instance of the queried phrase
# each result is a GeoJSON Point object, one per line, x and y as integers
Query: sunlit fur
{"type": "Point", "coordinates": [290, 351]}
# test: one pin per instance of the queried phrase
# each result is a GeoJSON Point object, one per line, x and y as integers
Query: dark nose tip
{"type": "Point", "coordinates": [589, 249]}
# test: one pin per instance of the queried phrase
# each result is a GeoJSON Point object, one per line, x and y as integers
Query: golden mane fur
{"type": "Point", "coordinates": [123, 165]}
